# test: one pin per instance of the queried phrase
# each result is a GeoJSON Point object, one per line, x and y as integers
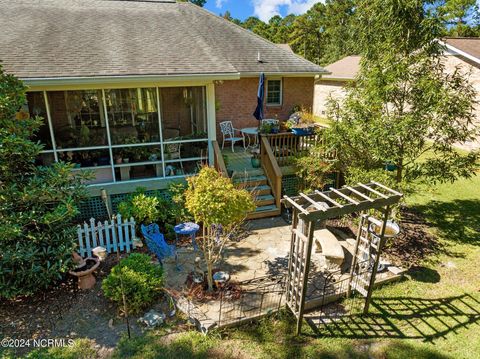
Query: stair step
{"type": "Point", "coordinates": [271, 207]}
{"type": "Point", "coordinates": [250, 181]}
{"type": "Point", "coordinates": [260, 190]}
{"type": "Point", "coordinates": [249, 173]}
{"type": "Point", "coordinates": [264, 211]}
{"type": "Point", "coordinates": [264, 200]}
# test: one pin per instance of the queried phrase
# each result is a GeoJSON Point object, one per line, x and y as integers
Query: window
{"type": "Point", "coordinates": [274, 92]}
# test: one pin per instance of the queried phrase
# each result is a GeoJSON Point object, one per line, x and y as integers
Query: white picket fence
{"type": "Point", "coordinates": [110, 235]}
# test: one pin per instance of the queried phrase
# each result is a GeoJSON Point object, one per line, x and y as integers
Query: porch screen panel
{"type": "Point", "coordinates": [183, 113]}
{"type": "Point", "coordinates": [133, 115]}
{"type": "Point", "coordinates": [135, 133]}
{"type": "Point", "coordinates": [79, 128]}
{"type": "Point", "coordinates": [36, 107]}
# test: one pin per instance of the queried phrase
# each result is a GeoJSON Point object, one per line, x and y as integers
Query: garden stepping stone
{"type": "Point", "coordinates": [152, 319]}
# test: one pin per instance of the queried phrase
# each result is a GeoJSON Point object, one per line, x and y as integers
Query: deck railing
{"type": "Point", "coordinates": [286, 146]}
{"type": "Point", "coordinates": [219, 162]}
{"type": "Point", "coordinates": [271, 169]}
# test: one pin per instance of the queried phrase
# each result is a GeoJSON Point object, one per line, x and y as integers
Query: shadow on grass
{"type": "Point", "coordinates": [402, 318]}
{"type": "Point", "coordinates": [274, 337]}
{"type": "Point", "coordinates": [457, 221]}
{"type": "Point", "coordinates": [424, 274]}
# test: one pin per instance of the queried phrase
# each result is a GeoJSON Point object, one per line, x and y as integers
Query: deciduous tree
{"type": "Point", "coordinates": [405, 108]}
{"type": "Point", "coordinates": [220, 208]}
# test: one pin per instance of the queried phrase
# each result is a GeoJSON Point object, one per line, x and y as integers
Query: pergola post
{"type": "Point", "coordinates": [377, 260]}
{"type": "Point", "coordinates": [309, 234]}
{"type": "Point", "coordinates": [355, 259]}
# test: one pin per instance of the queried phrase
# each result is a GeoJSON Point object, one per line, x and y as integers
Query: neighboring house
{"type": "Point", "coordinates": [342, 73]}
{"type": "Point", "coordinates": [134, 90]}
{"type": "Point", "coordinates": [463, 53]}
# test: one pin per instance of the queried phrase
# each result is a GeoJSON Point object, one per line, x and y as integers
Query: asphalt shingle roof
{"type": "Point", "coordinates": [88, 38]}
{"type": "Point", "coordinates": [470, 45]}
{"type": "Point", "coordinates": [345, 68]}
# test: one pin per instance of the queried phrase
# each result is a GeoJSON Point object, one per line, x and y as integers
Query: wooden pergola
{"type": "Point", "coordinates": [310, 209]}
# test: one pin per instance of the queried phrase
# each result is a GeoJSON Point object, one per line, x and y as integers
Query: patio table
{"type": "Point", "coordinates": [250, 131]}
{"type": "Point", "coordinates": [187, 229]}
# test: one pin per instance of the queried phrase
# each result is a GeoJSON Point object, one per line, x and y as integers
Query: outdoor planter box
{"type": "Point", "coordinates": [302, 131]}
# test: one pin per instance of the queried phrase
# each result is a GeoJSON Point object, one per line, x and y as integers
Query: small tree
{"type": "Point", "coordinates": [220, 208]}
{"type": "Point", "coordinates": [405, 108]}
{"type": "Point", "coordinates": [37, 204]}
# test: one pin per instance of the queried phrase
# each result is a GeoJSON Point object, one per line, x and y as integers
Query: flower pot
{"type": "Point", "coordinates": [255, 162]}
{"type": "Point", "coordinates": [390, 167]}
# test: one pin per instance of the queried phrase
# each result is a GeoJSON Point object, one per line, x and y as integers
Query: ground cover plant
{"type": "Point", "coordinates": [37, 204]}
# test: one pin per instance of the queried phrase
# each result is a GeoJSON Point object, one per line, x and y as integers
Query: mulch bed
{"type": "Point", "coordinates": [415, 241]}
{"type": "Point", "coordinates": [36, 316]}
{"type": "Point", "coordinates": [198, 292]}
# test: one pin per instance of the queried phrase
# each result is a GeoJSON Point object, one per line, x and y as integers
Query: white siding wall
{"type": "Point", "coordinates": [323, 90]}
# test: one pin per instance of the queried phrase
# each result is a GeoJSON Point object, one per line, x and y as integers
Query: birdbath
{"type": "Point", "coordinates": [84, 273]}
{"type": "Point", "coordinates": [392, 229]}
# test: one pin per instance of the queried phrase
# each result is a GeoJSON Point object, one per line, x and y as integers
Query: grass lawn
{"type": "Point", "coordinates": [433, 314]}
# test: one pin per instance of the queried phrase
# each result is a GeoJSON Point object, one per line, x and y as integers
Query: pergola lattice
{"type": "Point", "coordinates": [309, 209]}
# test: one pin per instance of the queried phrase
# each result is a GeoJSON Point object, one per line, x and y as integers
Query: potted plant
{"type": "Point", "coordinates": [255, 158]}
{"type": "Point", "coordinates": [266, 128]}
{"type": "Point", "coordinates": [301, 123]}
{"type": "Point", "coordinates": [275, 127]}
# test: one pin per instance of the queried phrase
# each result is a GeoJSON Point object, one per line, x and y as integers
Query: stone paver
{"type": "Point", "coordinates": [257, 255]}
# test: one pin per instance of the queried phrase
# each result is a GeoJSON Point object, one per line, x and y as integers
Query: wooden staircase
{"type": "Point", "coordinates": [257, 183]}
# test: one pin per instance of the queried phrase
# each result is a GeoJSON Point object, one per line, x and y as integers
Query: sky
{"type": "Point", "coordinates": [263, 9]}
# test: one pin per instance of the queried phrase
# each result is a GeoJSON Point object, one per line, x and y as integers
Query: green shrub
{"type": "Point", "coordinates": [142, 282]}
{"type": "Point", "coordinates": [37, 204]}
{"type": "Point", "coordinates": [142, 208]}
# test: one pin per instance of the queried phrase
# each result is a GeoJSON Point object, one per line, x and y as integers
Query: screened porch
{"type": "Point", "coordinates": [132, 134]}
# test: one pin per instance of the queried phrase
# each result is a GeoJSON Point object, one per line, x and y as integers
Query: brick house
{"type": "Point", "coordinates": [461, 53]}
{"type": "Point", "coordinates": [134, 90]}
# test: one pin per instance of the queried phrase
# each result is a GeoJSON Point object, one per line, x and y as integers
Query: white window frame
{"type": "Point", "coordinates": [276, 104]}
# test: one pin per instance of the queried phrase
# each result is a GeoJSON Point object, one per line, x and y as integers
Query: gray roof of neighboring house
{"type": "Point", "coordinates": [91, 38]}
{"type": "Point", "coordinates": [469, 45]}
{"type": "Point", "coordinates": [344, 69]}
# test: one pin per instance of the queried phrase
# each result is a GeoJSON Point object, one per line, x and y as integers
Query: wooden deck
{"type": "Point", "coordinates": [276, 156]}
{"type": "Point", "coordinates": [244, 175]}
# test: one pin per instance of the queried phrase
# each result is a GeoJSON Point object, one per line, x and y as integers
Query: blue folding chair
{"type": "Point", "coordinates": [156, 243]}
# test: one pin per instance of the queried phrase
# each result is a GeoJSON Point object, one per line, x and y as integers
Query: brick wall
{"type": "Point", "coordinates": [236, 100]}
